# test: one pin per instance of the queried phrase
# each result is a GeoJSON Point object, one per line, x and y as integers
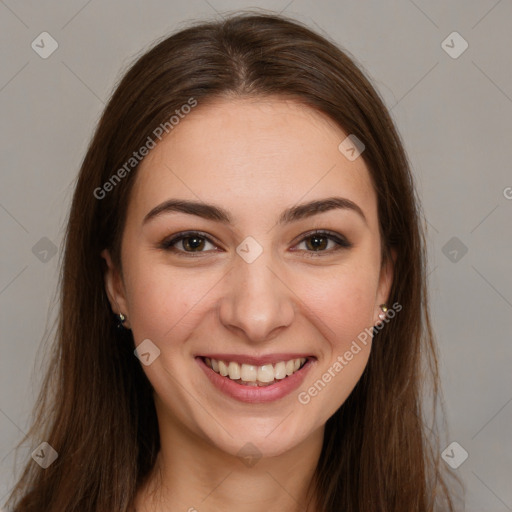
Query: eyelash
{"type": "Point", "coordinates": [341, 242]}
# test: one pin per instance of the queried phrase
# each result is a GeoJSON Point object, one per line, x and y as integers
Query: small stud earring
{"type": "Point", "coordinates": [384, 309]}
{"type": "Point", "coordinates": [120, 320]}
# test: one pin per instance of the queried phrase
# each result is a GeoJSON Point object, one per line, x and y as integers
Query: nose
{"type": "Point", "coordinates": [256, 300]}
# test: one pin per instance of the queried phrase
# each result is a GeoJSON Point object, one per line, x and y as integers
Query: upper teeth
{"type": "Point", "coordinates": [251, 373]}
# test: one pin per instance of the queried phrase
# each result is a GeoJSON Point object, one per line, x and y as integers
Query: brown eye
{"type": "Point", "coordinates": [318, 242]}
{"type": "Point", "coordinates": [190, 242]}
{"type": "Point", "coordinates": [193, 243]}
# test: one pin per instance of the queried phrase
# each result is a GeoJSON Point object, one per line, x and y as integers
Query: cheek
{"type": "Point", "coordinates": [164, 302]}
{"type": "Point", "coordinates": [344, 302]}
{"type": "Point", "coordinates": [344, 307]}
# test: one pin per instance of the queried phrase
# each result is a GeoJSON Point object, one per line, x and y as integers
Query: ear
{"type": "Point", "coordinates": [114, 287]}
{"type": "Point", "coordinates": [385, 282]}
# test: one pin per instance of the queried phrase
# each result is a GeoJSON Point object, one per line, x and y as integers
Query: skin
{"type": "Point", "coordinates": [255, 158]}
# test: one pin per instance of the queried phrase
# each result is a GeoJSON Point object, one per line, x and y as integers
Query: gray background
{"type": "Point", "coordinates": [454, 116]}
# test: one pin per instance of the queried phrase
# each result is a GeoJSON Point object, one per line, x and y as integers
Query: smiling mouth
{"type": "Point", "coordinates": [252, 375]}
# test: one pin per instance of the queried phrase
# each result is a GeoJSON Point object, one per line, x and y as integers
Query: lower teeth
{"type": "Point", "coordinates": [253, 384]}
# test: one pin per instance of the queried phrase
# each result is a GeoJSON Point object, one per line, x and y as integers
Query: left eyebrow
{"type": "Point", "coordinates": [219, 214]}
{"type": "Point", "coordinates": [305, 210]}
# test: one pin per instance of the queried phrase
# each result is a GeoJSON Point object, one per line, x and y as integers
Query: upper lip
{"type": "Point", "coordinates": [257, 361]}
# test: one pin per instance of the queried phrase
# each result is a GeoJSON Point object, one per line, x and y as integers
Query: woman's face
{"type": "Point", "coordinates": [247, 286]}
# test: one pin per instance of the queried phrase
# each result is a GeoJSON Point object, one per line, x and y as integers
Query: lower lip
{"type": "Point", "coordinates": [256, 394]}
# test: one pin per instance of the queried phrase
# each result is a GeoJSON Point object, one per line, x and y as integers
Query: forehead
{"type": "Point", "coordinates": [252, 154]}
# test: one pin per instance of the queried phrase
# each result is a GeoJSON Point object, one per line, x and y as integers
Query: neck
{"type": "Point", "coordinates": [192, 474]}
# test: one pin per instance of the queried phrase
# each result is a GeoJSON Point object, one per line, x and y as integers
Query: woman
{"type": "Point", "coordinates": [244, 321]}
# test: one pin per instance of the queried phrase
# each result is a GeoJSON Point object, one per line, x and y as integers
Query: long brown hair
{"type": "Point", "coordinates": [96, 405]}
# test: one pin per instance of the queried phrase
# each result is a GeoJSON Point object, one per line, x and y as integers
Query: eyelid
{"type": "Point", "coordinates": [340, 240]}
{"type": "Point", "coordinates": [167, 244]}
